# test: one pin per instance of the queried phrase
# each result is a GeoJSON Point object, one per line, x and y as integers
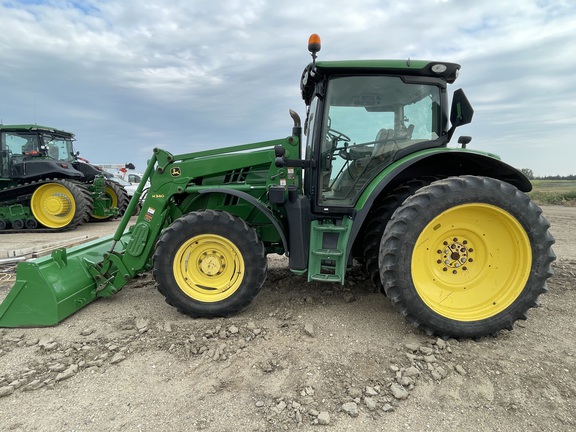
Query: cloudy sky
{"type": "Point", "coordinates": [185, 75]}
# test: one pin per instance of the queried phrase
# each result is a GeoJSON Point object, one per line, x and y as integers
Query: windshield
{"type": "Point", "coordinates": [59, 148]}
{"type": "Point", "coordinates": [367, 120]}
{"type": "Point", "coordinates": [32, 144]}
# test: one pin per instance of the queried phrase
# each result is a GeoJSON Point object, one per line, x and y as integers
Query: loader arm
{"type": "Point", "coordinates": [127, 258]}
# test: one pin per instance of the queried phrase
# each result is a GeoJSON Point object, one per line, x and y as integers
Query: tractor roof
{"type": "Point", "coordinates": [425, 68]}
{"type": "Point", "coordinates": [34, 128]}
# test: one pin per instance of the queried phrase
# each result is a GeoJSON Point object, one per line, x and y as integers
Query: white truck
{"type": "Point", "coordinates": [122, 171]}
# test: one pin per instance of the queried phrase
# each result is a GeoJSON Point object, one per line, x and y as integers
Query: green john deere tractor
{"type": "Point", "coordinates": [447, 233]}
{"type": "Point", "coordinates": [45, 187]}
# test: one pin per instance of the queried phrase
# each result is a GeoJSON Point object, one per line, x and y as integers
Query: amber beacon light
{"type": "Point", "coordinates": [314, 44]}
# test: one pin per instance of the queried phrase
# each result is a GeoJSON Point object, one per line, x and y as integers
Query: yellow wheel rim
{"type": "Point", "coordinates": [208, 268]}
{"type": "Point", "coordinates": [111, 196]}
{"type": "Point", "coordinates": [53, 205]}
{"type": "Point", "coordinates": [471, 262]}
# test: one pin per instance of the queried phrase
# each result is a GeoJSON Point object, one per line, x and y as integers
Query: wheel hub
{"type": "Point", "coordinates": [456, 255]}
{"type": "Point", "coordinates": [211, 263]}
{"type": "Point", "coordinates": [208, 268]}
{"type": "Point", "coordinates": [57, 205]}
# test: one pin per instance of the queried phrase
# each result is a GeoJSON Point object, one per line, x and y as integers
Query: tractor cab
{"type": "Point", "coordinates": [30, 152]}
{"type": "Point", "coordinates": [365, 115]}
{"type": "Point", "coordinates": [36, 141]}
{"type": "Point", "coordinates": [34, 152]}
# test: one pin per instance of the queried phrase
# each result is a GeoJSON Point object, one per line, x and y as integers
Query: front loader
{"type": "Point", "coordinates": [446, 232]}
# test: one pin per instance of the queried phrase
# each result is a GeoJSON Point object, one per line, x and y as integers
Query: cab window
{"type": "Point", "coordinates": [367, 120]}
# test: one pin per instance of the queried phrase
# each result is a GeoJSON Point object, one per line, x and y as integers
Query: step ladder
{"type": "Point", "coordinates": [327, 259]}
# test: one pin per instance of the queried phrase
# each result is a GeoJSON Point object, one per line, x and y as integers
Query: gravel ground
{"type": "Point", "coordinates": [302, 357]}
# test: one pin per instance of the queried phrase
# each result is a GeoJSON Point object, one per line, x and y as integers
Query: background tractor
{"type": "Point", "coordinates": [43, 185]}
{"type": "Point", "coordinates": [446, 232]}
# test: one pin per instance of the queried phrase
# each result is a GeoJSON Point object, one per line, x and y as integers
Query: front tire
{"type": "Point", "coordinates": [209, 264]}
{"type": "Point", "coordinates": [466, 257]}
{"type": "Point", "coordinates": [60, 204]}
{"type": "Point", "coordinates": [115, 197]}
{"type": "Point", "coordinates": [119, 196]}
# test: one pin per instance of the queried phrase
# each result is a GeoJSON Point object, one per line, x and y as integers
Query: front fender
{"type": "Point", "coordinates": [256, 203]}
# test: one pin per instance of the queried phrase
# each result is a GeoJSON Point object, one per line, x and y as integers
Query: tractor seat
{"type": "Point", "coordinates": [388, 143]}
{"type": "Point", "coordinates": [384, 134]}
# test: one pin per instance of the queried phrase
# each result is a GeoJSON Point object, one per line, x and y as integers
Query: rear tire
{"type": "Point", "coordinates": [118, 199]}
{"type": "Point", "coordinates": [376, 224]}
{"type": "Point", "coordinates": [466, 257]}
{"type": "Point", "coordinates": [209, 264]}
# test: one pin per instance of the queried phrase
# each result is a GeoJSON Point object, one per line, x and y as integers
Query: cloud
{"type": "Point", "coordinates": [127, 76]}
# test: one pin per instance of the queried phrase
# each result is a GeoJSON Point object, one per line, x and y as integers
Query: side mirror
{"type": "Point", "coordinates": [461, 112]}
{"type": "Point", "coordinates": [464, 140]}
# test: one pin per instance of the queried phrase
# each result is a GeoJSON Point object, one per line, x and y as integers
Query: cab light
{"type": "Point", "coordinates": [439, 68]}
{"type": "Point", "coordinates": [314, 44]}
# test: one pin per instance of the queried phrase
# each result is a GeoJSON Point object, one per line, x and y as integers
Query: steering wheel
{"type": "Point", "coordinates": [337, 135]}
{"type": "Point", "coordinates": [354, 152]}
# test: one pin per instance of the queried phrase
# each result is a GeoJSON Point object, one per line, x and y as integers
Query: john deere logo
{"type": "Point", "coordinates": [175, 172]}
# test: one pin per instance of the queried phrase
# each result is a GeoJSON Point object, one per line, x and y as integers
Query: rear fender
{"type": "Point", "coordinates": [31, 168]}
{"type": "Point", "coordinates": [440, 162]}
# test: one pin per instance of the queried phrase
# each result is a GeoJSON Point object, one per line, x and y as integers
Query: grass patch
{"type": "Point", "coordinates": [559, 192]}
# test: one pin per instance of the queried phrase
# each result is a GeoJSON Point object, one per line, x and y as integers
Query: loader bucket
{"type": "Point", "coordinates": [51, 288]}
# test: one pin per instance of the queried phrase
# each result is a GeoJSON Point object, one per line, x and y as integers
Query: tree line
{"type": "Point", "coordinates": [530, 174]}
